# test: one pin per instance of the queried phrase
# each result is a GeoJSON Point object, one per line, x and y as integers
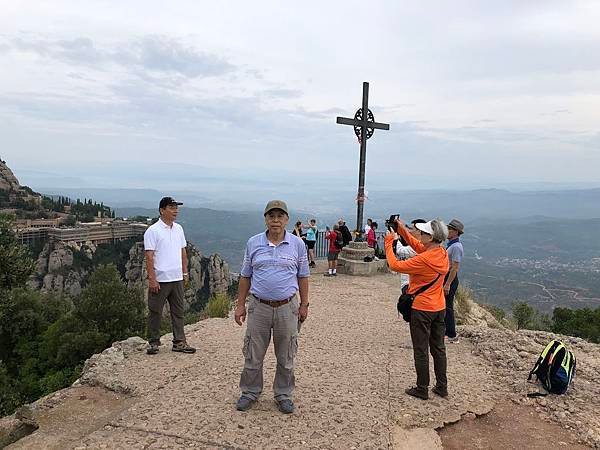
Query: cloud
{"type": "Point", "coordinates": [163, 54]}
{"type": "Point", "coordinates": [282, 93]}
{"type": "Point", "coordinates": [152, 54]}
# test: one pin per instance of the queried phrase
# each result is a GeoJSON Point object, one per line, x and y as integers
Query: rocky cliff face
{"type": "Point", "coordinates": [208, 275]}
{"type": "Point", "coordinates": [64, 266]}
{"type": "Point", "coordinates": [11, 189]}
{"type": "Point", "coordinates": [55, 270]}
{"type": "Point", "coordinates": [8, 181]}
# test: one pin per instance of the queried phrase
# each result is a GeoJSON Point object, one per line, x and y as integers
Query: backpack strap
{"type": "Point", "coordinates": [536, 394]}
{"type": "Point", "coordinates": [550, 347]}
{"type": "Point", "coordinates": [427, 286]}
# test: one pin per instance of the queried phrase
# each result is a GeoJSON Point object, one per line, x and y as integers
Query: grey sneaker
{"type": "Point", "coordinates": [244, 403]}
{"type": "Point", "coordinates": [183, 347]}
{"type": "Point", "coordinates": [285, 406]}
{"type": "Point", "coordinates": [453, 340]}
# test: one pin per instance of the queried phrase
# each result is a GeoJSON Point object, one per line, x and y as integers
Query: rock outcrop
{"type": "Point", "coordinates": [64, 267]}
{"type": "Point", "coordinates": [13, 191]}
{"type": "Point", "coordinates": [208, 275]}
{"type": "Point", "coordinates": [55, 270]}
{"type": "Point", "coordinates": [8, 181]}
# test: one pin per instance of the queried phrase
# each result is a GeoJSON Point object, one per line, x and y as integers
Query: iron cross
{"type": "Point", "coordinates": [364, 125]}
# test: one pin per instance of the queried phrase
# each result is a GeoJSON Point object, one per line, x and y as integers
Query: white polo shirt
{"type": "Point", "coordinates": [166, 242]}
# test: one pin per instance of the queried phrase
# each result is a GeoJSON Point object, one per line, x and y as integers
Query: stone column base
{"type": "Point", "coordinates": [351, 260]}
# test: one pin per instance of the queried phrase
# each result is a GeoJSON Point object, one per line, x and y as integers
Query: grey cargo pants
{"type": "Point", "coordinates": [282, 322]}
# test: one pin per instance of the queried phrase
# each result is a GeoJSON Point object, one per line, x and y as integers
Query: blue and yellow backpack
{"type": "Point", "coordinates": [555, 368]}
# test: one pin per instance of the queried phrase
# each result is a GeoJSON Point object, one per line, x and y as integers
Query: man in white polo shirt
{"type": "Point", "coordinates": [166, 263]}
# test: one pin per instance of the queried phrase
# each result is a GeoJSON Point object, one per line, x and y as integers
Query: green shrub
{"type": "Point", "coordinates": [219, 305]}
{"type": "Point", "coordinates": [584, 323]}
{"type": "Point", "coordinates": [524, 316]}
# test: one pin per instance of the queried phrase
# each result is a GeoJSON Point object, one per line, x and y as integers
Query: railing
{"type": "Point", "coordinates": [322, 245]}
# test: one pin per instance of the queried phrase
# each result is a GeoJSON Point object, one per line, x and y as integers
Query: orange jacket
{"type": "Point", "coordinates": [422, 270]}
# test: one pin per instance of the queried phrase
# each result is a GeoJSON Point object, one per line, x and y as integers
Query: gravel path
{"type": "Point", "coordinates": [354, 362]}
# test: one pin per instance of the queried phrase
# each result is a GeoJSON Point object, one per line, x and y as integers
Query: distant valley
{"type": "Point", "coordinates": [546, 262]}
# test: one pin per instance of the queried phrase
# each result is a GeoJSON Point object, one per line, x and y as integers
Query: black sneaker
{"type": "Point", "coordinates": [442, 392]}
{"type": "Point", "coordinates": [152, 348]}
{"type": "Point", "coordinates": [416, 392]}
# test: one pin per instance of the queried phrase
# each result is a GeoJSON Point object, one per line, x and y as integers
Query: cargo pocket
{"type": "Point", "coordinates": [246, 349]}
{"type": "Point", "coordinates": [251, 305]}
{"type": "Point", "coordinates": [293, 349]}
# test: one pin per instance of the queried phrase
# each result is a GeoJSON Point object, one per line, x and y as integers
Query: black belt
{"type": "Point", "coordinates": [274, 303]}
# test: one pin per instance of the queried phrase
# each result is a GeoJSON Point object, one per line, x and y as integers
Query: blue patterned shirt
{"type": "Point", "coordinates": [274, 269]}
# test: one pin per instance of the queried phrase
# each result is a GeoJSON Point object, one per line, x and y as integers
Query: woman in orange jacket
{"type": "Point", "coordinates": [427, 325]}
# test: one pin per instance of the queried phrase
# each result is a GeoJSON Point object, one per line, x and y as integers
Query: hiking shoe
{"type": "Point", "coordinates": [442, 392]}
{"type": "Point", "coordinates": [285, 406]}
{"type": "Point", "coordinates": [453, 340]}
{"type": "Point", "coordinates": [416, 392]}
{"type": "Point", "coordinates": [183, 347]}
{"type": "Point", "coordinates": [313, 264]}
{"type": "Point", "coordinates": [244, 403]}
{"type": "Point", "coordinates": [152, 348]}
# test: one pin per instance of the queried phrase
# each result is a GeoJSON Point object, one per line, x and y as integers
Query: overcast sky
{"type": "Point", "coordinates": [485, 91]}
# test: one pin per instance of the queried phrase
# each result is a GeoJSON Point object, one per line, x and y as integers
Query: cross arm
{"type": "Point", "coordinates": [360, 123]}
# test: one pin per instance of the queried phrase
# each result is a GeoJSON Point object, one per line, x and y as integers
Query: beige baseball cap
{"type": "Point", "coordinates": [276, 204]}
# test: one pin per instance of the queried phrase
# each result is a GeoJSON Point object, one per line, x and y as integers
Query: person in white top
{"type": "Point", "coordinates": [166, 264]}
{"type": "Point", "coordinates": [404, 251]}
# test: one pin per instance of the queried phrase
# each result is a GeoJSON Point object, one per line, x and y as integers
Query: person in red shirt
{"type": "Point", "coordinates": [371, 238]}
{"type": "Point", "coordinates": [333, 236]}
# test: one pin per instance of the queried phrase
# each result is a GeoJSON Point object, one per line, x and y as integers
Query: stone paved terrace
{"type": "Point", "coordinates": [354, 362]}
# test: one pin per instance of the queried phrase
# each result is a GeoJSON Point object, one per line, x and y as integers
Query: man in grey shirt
{"type": "Point", "coordinates": [455, 256]}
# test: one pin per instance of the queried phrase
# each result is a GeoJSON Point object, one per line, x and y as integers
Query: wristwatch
{"type": "Point", "coordinates": [307, 304]}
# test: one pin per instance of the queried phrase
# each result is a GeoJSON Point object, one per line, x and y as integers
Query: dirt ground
{"type": "Point", "coordinates": [508, 426]}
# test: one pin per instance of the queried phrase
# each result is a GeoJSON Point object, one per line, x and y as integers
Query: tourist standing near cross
{"type": "Point", "coordinates": [274, 270]}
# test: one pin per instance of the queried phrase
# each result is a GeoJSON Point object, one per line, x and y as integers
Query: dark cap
{"type": "Point", "coordinates": [457, 225]}
{"type": "Point", "coordinates": [276, 204]}
{"type": "Point", "coordinates": [166, 201]}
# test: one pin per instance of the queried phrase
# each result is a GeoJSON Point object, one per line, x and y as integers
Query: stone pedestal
{"type": "Point", "coordinates": [351, 260]}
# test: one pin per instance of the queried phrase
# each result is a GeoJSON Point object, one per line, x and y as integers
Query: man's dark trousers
{"type": "Point", "coordinates": [173, 293]}
{"type": "Point", "coordinates": [450, 320]}
{"type": "Point", "coordinates": [427, 333]}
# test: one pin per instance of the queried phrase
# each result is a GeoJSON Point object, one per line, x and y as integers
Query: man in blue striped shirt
{"type": "Point", "coordinates": [274, 270]}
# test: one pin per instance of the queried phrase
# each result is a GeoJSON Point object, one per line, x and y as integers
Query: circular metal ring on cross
{"type": "Point", "coordinates": [370, 118]}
